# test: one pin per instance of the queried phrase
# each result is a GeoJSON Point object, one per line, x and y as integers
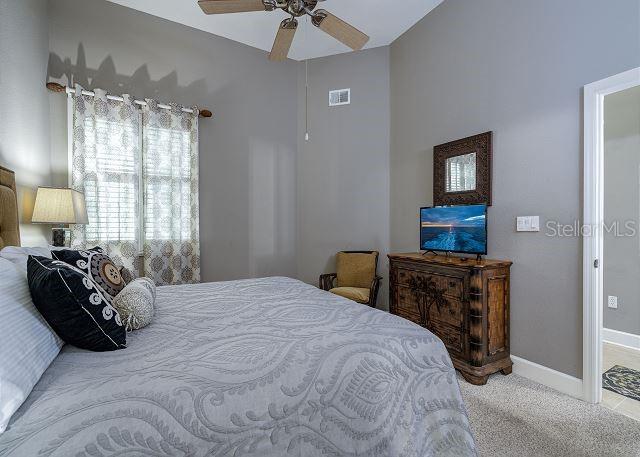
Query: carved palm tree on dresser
{"type": "Point", "coordinates": [427, 294]}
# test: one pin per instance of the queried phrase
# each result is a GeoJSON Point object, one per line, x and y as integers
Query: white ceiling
{"type": "Point", "coordinates": [382, 20]}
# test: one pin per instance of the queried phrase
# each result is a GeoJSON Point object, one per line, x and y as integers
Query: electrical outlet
{"type": "Point", "coordinates": [613, 302]}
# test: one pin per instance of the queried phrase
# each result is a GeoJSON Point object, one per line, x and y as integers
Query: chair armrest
{"type": "Point", "coordinates": [373, 293]}
{"type": "Point", "coordinates": [327, 281]}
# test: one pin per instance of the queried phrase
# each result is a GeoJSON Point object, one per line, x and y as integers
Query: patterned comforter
{"type": "Point", "coordinates": [266, 367]}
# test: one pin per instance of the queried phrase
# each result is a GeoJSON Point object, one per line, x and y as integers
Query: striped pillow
{"type": "Point", "coordinates": [19, 255]}
{"type": "Point", "coordinates": [28, 345]}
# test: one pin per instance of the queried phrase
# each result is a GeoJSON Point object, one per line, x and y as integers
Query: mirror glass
{"type": "Point", "coordinates": [461, 173]}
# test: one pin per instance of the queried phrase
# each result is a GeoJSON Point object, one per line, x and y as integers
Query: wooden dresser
{"type": "Point", "coordinates": [464, 302]}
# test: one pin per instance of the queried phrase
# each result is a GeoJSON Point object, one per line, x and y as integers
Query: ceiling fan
{"type": "Point", "coordinates": [324, 20]}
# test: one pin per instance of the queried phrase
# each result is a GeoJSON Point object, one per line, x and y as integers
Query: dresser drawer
{"type": "Point", "coordinates": [407, 300]}
{"type": "Point", "coordinates": [451, 311]}
{"type": "Point", "coordinates": [405, 307]}
{"type": "Point", "coordinates": [450, 336]}
{"type": "Point", "coordinates": [409, 315]}
{"type": "Point", "coordinates": [452, 286]}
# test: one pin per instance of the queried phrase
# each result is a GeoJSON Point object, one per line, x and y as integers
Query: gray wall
{"type": "Point", "coordinates": [271, 203]}
{"type": "Point", "coordinates": [24, 108]}
{"type": "Point", "coordinates": [247, 155]}
{"type": "Point", "coordinates": [622, 206]}
{"type": "Point", "coordinates": [515, 67]}
{"type": "Point", "coordinates": [343, 171]}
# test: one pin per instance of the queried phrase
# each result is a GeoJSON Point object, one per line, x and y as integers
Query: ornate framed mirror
{"type": "Point", "coordinates": [462, 171]}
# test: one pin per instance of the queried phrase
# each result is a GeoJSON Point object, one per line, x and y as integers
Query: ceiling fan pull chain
{"type": "Point", "coordinates": [306, 85]}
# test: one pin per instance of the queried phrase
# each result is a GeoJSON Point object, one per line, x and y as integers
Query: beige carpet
{"type": "Point", "coordinates": [512, 416]}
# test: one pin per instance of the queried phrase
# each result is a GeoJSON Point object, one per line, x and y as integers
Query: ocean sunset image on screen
{"type": "Point", "coordinates": [460, 229]}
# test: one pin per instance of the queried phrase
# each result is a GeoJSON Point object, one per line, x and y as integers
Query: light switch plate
{"type": "Point", "coordinates": [528, 224]}
{"type": "Point", "coordinates": [613, 302]}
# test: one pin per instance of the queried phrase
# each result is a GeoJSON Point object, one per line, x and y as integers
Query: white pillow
{"type": "Point", "coordinates": [27, 343]}
{"type": "Point", "coordinates": [18, 255]}
{"type": "Point", "coordinates": [135, 303]}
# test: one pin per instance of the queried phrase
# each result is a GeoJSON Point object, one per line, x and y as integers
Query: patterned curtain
{"type": "Point", "coordinates": [106, 167]}
{"type": "Point", "coordinates": [171, 207]}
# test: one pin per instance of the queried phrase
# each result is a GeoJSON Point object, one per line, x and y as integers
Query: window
{"type": "Point", "coordinates": [111, 180]}
{"type": "Point", "coordinates": [167, 184]}
{"type": "Point", "coordinates": [138, 169]}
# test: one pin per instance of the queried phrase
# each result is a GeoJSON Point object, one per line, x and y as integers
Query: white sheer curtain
{"type": "Point", "coordinates": [138, 170]}
{"type": "Point", "coordinates": [171, 221]}
{"type": "Point", "coordinates": [105, 167]}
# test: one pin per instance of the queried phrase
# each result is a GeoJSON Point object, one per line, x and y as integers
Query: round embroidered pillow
{"type": "Point", "coordinates": [135, 303]}
{"type": "Point", "coordinates": [97, 265]}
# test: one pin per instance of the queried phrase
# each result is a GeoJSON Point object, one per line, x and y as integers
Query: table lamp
{"type": "Point", "coordinates": [59, 206]}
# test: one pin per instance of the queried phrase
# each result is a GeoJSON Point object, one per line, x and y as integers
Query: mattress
{"type": "Point", "coordinates": [264, 367]}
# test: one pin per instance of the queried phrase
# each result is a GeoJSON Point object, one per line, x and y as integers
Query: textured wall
{"type": "Point", "coordinates": [343, 171]}
{"type": "Point", "coordinates": [622, 206]}
{"type": "Point", "coordinates": [247, 155]}
{"type": "Point", "coordinates": [24, 107]}
{"type": "Point", "coordinates": [515, 67]}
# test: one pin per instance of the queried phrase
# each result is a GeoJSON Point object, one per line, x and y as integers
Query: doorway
{"type": "Point", "coordinates": [611, 247]}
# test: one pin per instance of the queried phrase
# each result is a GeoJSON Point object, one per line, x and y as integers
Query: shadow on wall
{"type": "Point", "coordinates": [106, 77]}
{"type": "Point", "coordinates": [139, 85]}
{"type": "Point", "coordinates": [247, 165]}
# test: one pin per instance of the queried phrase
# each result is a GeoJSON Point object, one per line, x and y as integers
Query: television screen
{"type": "Point", "coordinates": [461, 229]}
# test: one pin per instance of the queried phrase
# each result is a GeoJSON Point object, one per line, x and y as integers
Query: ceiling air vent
{"type": "Point", "coordinates": [340, 97]}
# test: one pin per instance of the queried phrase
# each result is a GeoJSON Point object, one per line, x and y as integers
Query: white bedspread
{"type": "Point", "coordinates": [266, 367]}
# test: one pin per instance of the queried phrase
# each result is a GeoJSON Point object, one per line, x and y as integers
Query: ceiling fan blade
{"type": "Point", "coordinates": [284, 39]}
{"type": "Point", "coordinates": [340, 30]}
{"type": "Point", "coordinates": [231, 6]}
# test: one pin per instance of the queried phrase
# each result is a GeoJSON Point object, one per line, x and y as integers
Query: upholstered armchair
{"type": "Point", "coordinates": [356, 277]}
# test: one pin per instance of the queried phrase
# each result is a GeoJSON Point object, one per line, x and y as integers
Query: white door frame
{"type": "Point", "coordinates": [593, 299]}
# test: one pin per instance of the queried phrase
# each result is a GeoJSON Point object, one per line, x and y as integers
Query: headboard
{"type": "Point", "coordinates": [9, 226]}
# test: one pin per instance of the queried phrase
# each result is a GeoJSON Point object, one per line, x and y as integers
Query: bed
{"type": "Point", "coordinates": [261, 367]}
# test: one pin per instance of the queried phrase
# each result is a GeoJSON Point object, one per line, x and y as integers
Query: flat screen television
{"type": "Point", "coordinates": [459, 229]}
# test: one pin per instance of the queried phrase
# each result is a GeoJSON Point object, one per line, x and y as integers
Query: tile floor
{"type": "Point", "coordinates": [627, 357]}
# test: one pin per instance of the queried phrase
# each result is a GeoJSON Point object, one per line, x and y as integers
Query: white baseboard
{"type": "Point", "coordinates": [546, 376]}
{"type": "Point", "coordinates": [621, 338]}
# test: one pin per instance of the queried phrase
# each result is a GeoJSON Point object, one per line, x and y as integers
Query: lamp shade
{"type": "Point", "coordinates": [59, 206]}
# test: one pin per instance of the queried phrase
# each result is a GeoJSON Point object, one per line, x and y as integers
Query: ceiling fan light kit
{"type": "Point", "coordinates": [324, 20]}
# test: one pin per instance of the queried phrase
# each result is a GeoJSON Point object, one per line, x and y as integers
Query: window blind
{"type": "Point", "coordinates": [111, 179]}
{"type": "Point", "coordinates": [167, 184]}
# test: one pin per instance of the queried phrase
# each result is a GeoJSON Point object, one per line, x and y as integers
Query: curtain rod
{"type": "Point", "coordinates": [55, 87]}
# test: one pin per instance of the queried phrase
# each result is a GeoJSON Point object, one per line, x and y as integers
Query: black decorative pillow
{"type": "Point", "coordinates": [97, 265]}
{"type": "Point", "coordinates": [74, 306]}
